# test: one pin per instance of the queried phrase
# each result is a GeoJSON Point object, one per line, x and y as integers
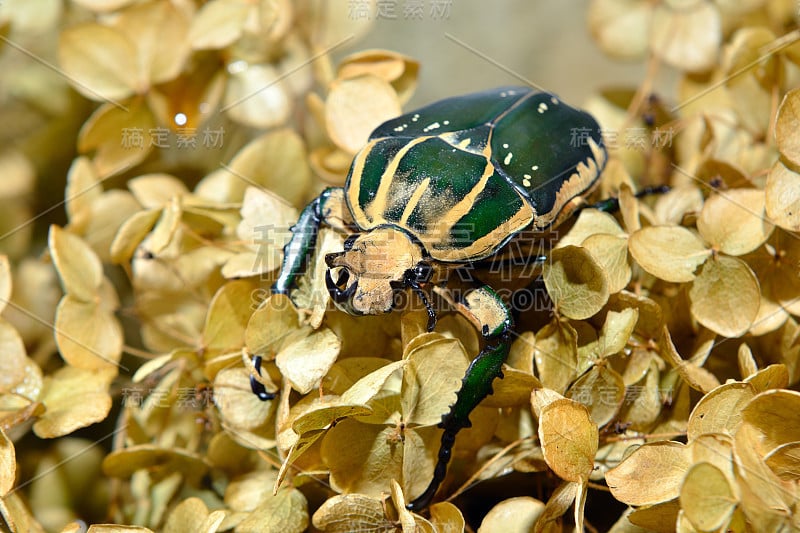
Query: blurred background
{"type": "Point", "coordinates": [468, 45]}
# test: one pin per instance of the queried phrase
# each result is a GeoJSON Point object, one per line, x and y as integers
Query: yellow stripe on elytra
{"type": "Point", "coordinates": [485, 245]}
{"type": "Point", "coordinates": [464, 205]}
{"type": "Point", "coordinates": [521, 219]}
{"type": "Point", "coordinates": [377, 206]}
{"type": "Point", "coordinates": [354, 187]}
{"type": "Point", "coordinates": [414, 200]}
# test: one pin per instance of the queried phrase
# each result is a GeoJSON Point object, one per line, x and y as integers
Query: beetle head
{"type": "Point", "coordinates": [363, 279]}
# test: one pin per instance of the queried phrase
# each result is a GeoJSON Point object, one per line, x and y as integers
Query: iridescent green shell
{"type": "Point", "coordinates": [466, 174]}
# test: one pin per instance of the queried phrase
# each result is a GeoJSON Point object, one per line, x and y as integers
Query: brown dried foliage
{"type": "Point", "coordinates": [666, 373]}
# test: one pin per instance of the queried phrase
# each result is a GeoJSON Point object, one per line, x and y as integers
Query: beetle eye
{"type": "Point", "coordinates": [348, 243]}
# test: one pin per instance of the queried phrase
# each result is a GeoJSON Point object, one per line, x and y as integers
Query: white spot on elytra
{"type": "Point", "coordinates": [507, 160]}
{"type": "Point", "coordinates": [430, 127]}
{"type": "Point", "coordinates": [505, 145]}
{"type": "Point", "coordinates": [554, 100]}
{"type": "Point", "coordinates": [542, 107]}
{"type": "Point", "coordinates": [446, 122]}
{"type": "Point", "coordinates": [535, 167]}
{"type": "Point", "coordinates": [503, 94]}
{"type": "Point", "coordinates": [526, 180]}
{"type": "Point", "coordinates": [415, 117]}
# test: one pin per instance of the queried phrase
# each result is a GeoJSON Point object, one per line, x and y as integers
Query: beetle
{"type": "Point", "coordinates": [438, 189]}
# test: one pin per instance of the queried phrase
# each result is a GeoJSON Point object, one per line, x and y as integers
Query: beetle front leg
{"type": "Point", "coordinates": [327, 208]}
{"type": "Point", "coordinates": [484, 308]}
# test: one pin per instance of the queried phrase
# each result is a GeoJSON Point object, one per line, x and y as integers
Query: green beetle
{"type": "Point", "coordinates": [440, 188]}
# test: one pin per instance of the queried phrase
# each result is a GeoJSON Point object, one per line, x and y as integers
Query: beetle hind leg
{"type": "Point", "coordinates": [484, 308]}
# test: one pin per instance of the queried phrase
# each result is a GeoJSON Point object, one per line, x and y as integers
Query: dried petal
{"type": "Point", "coordinates": [14, 359]}
{"type": "Point", "coordinates": [725, 296]}
{"type": "Point", "coordinates": [514, 515]}
{"type": "Point", "coordinates": [218, 24]}
{"type": "Point", "coordinates": [399, 70]}
{"type": "Point", "coordinates": [611, 253]}
{"type": "Point", "coordinates": [556, 355]}
{"type": "Point", "coordinates": [355, 107]}
{"type": "Point", "coordinates": [775, 414]}
{"type": "Point", "coordinates": [158, 30]}
{"type": "Point", "coordinates": [131, 233]}
{"type": "Point", "coordinates": [602, 391]}
{"type": "Point", "coordinates": [653, 473]}
{"type": "Point", "coordinates": [118, 138]}
{"type": "Point", "coordinates": [347, 512]}
{"type": "Point", "coordinates": [125, 462]}
{"type": "Point", "coordinates": [431, 379]}
{"type": "Point", "coordinates": [75, 398]}
{"type": "Point", "coordinates": [695, 376]}
{"type": "Point", "coordinates": [100, 62]}
{"type": "Point", "coordinates": [238, 406]}
{"type": "Point", "coordinates": [734, 221]}
{"type": "Point", "coordinates": [687, 37]}
{"type": "Point", "coordinates": [305, 362]}
{"type": "Point", "coordinates": [786, 128]}
{"type": "Point", "coordinates": [228, 314]}
{"type": "Point", "coordinates": [154, 191]}
{"type": "Point", "coordinates": [8, 464]}
{"type": "Point", "coordinates": [285, 512]}
{"type": "Point", "coordinates": [575, 282]}
{"type": "Point", "coordinates": [620, 27]}
{"type": "Point", "coordinates": [375, 455]}
{"type": "Point", "coordinates": [78, 267]}
{"type": "Point", "coordinates": [569, 439]}
{"type": "Point", "coordinates": [276, 161]}
{"type": "Point", "coordinates": [783, 197]}
{"type": "Point", "coordinates": [671, 253]}
{"type": "Point", "coordinates": [590, 222]}
{"type": "Point", "coordinates": [88, 335]}
{"type": "Point", "coordinates": [707, 498]}
{"type": "Point", "coordinates": [720, 411]}
{"type": "Point", "coordinates": [256, 96]}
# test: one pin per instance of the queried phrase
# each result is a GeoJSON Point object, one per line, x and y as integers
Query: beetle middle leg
{"type": "Point", "coordinates": [611, 205]}
{"type": "Point", "coordinates": [484, 308]}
